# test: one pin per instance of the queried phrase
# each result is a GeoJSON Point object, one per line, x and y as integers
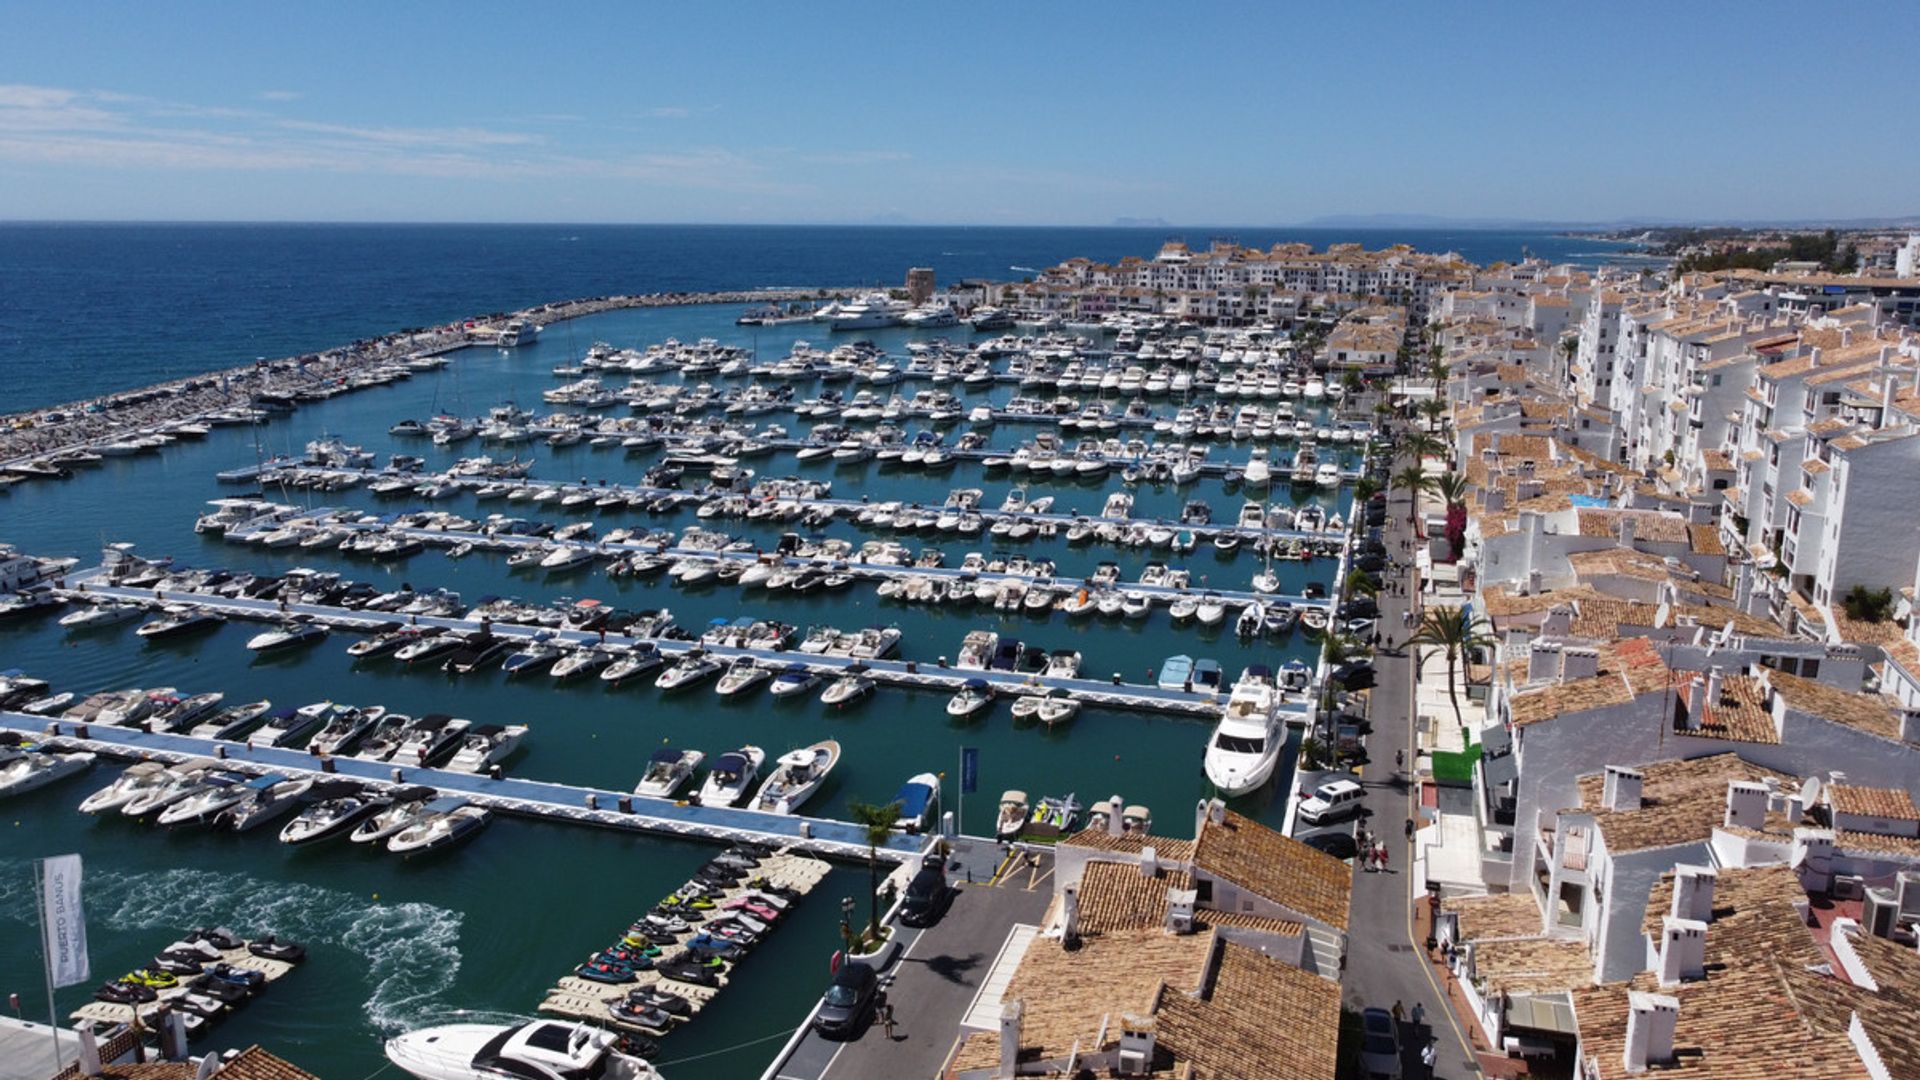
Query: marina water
{"type": "Point", "coordinates": [488, 927]}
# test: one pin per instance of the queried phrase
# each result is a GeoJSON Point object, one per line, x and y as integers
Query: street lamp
{"type": "Point", "coordinates": [846, 921]}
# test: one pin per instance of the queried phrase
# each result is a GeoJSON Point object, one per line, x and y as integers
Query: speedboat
{"type": "Point", "coordinates": [1013, 815]}
{"type": "Point", "coordinates": [267, 798]}
{"type": "Point", "coordinates": [667, 771]}
{"type": "Point", "coordinates": [404, 806]}
{"type": "Point", "coordinates": [584, 661]}
{"type": "Point", "coordinates": [292, 634]}
{"type": "Point", "coordinates": [793, 679]}
{"type": "Point", "coordinates": [1057, 707]}
{"type": "Point", "coordinates": [182, 780]}
{"type": "Point", "coordinates": [179, 620]}
{"type": "Point", "coordinates": [848, 688]}
{"type": "Point", "coordinates": [29, 770]}
{"type": "Point", "coordinates": [172, 713]}
{"type": "Point", "coordinates": [742, 675]}
{"type": "Point", "coordinates": [428, 739]}
{"type": "Point", "coordinates": [733, 773]}
{"type": "Point", "coordinates": [390, 637]}
{"type": "Point", "coordinates": [800, 774]}
{"type": "Point", "coordinates": [484, 745]}
{"type": "Point", "coordinates": [94, 616]}
{"type": "Point", "coordinates": [644, 658]}
{"type": "Point", "coordinates": [340, 804]}
{"type": "Point", "coordinates": [695, 667]}
{"type": "Point", "coordinates": [380, 743]}
{"type": "Point", "coordinates": [1176, 673]}
{"type": "Point", "coordinates": [1246, 743]}
{"type": "Point", "coordinates": [1210, 609]}
{"type": "Point", "coordinates": [139, 778]}
{"type": "Point", "coordinates": [919, 802]}
{"type": "Point", "coordinates": [345, 728]}
{"type": "Point", "coordinates": [974, 696]}
{"type": "Point", "coordinates": [232, 721]}
{"type": "Point", "coordinates": [428, 644]}
{"type": "Point", "coordinates": [284, 727]}
{"type": "Point", "coordinates": [215, 793]}
{"type": "Point", "coordinates": [532, 656]}
{"type": "Point", "coordinates": [537, 1048]}
{"type": "Point", "coordinates": [476, 651]}
{"type": "Point", "coordinates": [446, 821]}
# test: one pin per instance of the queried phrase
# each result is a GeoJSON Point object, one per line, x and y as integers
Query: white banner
{"type": "Point", "coordinates": [62, 923]}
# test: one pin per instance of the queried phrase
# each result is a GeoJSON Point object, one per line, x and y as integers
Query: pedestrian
{"type": "Point", "coordinates": [886, 1018]}
{"type": "Point", "coordinates": [1419, 1014]}
{"type": "Point", "coordinates": [1399, 759]}
{"type": "Point", "coordinates": [1399, 1011]}
{"type": "Point", "coordinates": [1383, 856]}
{"type": "Point", "coordinates": [1409, 828]}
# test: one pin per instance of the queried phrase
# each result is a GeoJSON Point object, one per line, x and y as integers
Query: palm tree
{"type": "Point", "coordinates": [1456, 631]}
{"type": "Point", "coordinates": [1365, 488]}
{"type": "Point", "coordinates": [1413, 480]}
{"type": "Point", "coordinates": [1452, 489]}
{"type": "Point", "coordinates": [1361, 583]}
{"type": "Point", "coordinates": [876, 822]}
{"type": "Point", "coordinates": [1434, 409]}
{"type": "Point", "coordinates": [1421, 444]}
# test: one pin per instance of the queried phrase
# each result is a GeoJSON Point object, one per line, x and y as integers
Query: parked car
{"type": "Point", "coordinates": [1332, 801]}
{"type": "Point", "coordinates": [1379, 1045]}
{"type": "Point", "coordinates": [1340, 845]}
{"type": "Point", "coordinates": [928, 897]}
{"type": "Point", "coordinates": [848, 1000]}
{"type": "Point", "coordinates": [1354, 675]}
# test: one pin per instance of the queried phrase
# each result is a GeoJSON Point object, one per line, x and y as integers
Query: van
{"type": "Point", "coordinates": [1332, 801]}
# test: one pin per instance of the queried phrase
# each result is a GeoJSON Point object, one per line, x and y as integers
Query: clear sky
{"type": "Point", "coordinates": [981, 112]}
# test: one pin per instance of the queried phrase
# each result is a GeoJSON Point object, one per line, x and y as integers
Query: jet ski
{"type": "Point", "coordinates": [220, 990]}
{"type": "Point", "coordinates": [690, 973]}
{"type": "Point", "coordinates": [640, 1016]}
{"type": "Point", "coordinates": [605, 971]}
{"type": "Point", "coordinates": [671, 1004]}
{"type": "Point", "coordinates": [271, 948]}
{"type": "Point", "coordinates": [245, 978]}
{"type": "Point", "coordinates": [120, 992]}
{"type": "Point", "coordinates": [219, 937]}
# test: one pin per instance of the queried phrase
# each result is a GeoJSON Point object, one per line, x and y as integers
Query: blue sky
{"type": "Point", "coordinates": [983, 112]}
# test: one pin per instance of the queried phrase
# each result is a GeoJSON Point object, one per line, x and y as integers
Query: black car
{"type": "Point", "coordinates": [1354, 675]}
{"type": "Point", "coordinates": [1360, 607]}
{"type": "Point", "coordinates": [1340, 845]}
{"type": "Point", "coordinates": [1371, 563]}
{"type": "Point", "coordinates": [928, 897]}
{"type": "Point", "coordinates": [848, 1001]}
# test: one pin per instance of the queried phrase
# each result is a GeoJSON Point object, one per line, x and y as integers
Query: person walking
{"type": "Point", "coordinates": [1409, 829]}
{"type": "Point", "coordinates": [1383, 857]}
{"type": "Point", "coordinates": [1418, 1015]}
{"type": "Point", "coordinates": [1399, 1011]}
{"type": "Point", "coordinates": [886, 1019]}
{"type": "Point", "coordinates": [1399, 759]}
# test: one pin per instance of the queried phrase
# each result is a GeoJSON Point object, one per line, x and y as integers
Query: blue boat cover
{"type": "Point", "coordinates": [913, 799]}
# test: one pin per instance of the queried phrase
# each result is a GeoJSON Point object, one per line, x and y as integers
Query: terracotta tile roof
{"type": "Point", "coordinates": [1681, 802]}
{"type": "Point", "coordinates": [1277, 867]}
{"type": "Point", "coordinates": [1800, 497]}
{"type": "Point", "coordinates": [1648, 525]}
{"type": "Point", "coordinates": [1628, 669]}
{"type": "Point", "coordinates": [1739, 716]}
{"type": "Point", "coordinates": [1881, 843]}
{"type": "Point", "coordinates": [1117, 896]}
{"type": "Point", "coordinates": [1893, 803]}
{"type": "Point", "coordinates": [1735, 890]}
{"type": "Point", "coordinates": [1068, 996]}
{"type": "Point", "coordinates": [1241, 921]}
{"type": "Point", "coordinates": [1262, 1018]}
{"type": "Point", "coordinates": [1496, 915]}
{"type": "Point", "coordinates": [1705, 540]}
{"type": "Point", "coordinates": [1165, 848]}
{"type": "Point", "coordinates": [1883, 634]}
{"type": "Point", "coordinates": [1863, 711]}
{"type": "Point", "coordinates": [1535, 964]}
{"type": "Point", "coordinates": [1501, 601]}
{"type": "Point", "coordinates": [256, 1064]}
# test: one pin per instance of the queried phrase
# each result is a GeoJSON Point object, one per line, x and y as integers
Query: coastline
{"type": "Point", "coordinates": [29, 437]}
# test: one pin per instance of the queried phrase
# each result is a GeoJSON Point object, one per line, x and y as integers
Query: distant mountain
{"type": "Point", "coordinates": [1436, 221]}
{"type": "Point", "coordinates": [1141, 223]}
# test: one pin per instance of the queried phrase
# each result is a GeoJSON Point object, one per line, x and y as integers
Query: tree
{"type": "Point", "coordinates": [876, 823]}
{"type": "Point", "coordinates": [1421, 445]}
{"type": "Point", "coordinates": [1868, 605]}
{"type": "Point", "coordinates": [1456, 631]}
{"type": "Point", "coordinates": [1452, 489]}
{"type": "Point", "coordinates": [1413, 480]}
{"type": "Point", "coordinates": [1365, 488]}
{"type": "Point", "coordinates": [1434, 410]}
{"type": "Point", "coordinates": [1361, 583]}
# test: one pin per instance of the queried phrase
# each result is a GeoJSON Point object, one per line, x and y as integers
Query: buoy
{"type": "Point", "coordinates": [376, 896]}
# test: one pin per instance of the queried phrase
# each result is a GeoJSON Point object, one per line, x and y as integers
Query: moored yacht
{"type": "Point", "coordinates": [668, 771]}
{"type": "Point", "coordinates": [733, 773]}
{"type": "Point", "coordinates": [538, 1049]}
{"type": "Point", "coordinates": [799, 776]}
{"type": "Point", "coordinates": [1246, 743]}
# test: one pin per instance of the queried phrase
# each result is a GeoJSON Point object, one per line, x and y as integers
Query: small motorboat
{"type": "Point", "coordinates": [668, 771]}
{"type": "Point", "coordinates": [339, 805]}
{"type": "Point", "coordinates": [345, 729]}
{"type": "Point", "coordinates": [1055, 816]}
{"type": "Point", "coordinates": [1013, 815]}
{"type": "Point", "coordinates": [284, 727]}
{"type": "Point", "coordinates": [215, 794]}
{"type": "Point", "coordinates": [534, 655]}
{"type": "Point", "coordinates": [1176, 673]}
{"type": "Point", "coordinates": [741, 676]}
{"type": "Point", "coordinates": [231, 722]}
{"type": "Point", "coordinates": [446, 821]}
{"type": "Point", "coordinates": [919, 802]}
{"type": "Point", "coordinates": [850, 688]}
{"type": "Point", "coordinates": [733, 773]}
{"type": "Point", "coordinates": [585, 661]}
{"type": "Point", "coordinates": [96, 616]}
{"type": "Point", "coordinates": [268, 797]}
{"type": "Point", "coordinates": [428, 739]}
{"type": "Point", "coordinates": [484, 745]}
{"type": "Point", "coordinates": [182, 780]}
{"type": "Point", "coordinates": [1057, 707]}
{"type": "Point", "coordinates": [975, 696]}
{"type": "Point", "coordinates": [643, 658]}
{"type": "Point", "coordinates": [1210, 609]}
{"type": "Point", "coordinates": [404, 806]}
{"type": "Point", "coordinates": [792, 680]}
{"type": "Point", "coordinates": [798, 777]}
{"type": "Point", "coordinates": [22, 771]}
{"type": "Point", "coordinates": [690, 670]}
{"type": "Point", "coordinates": [295, 633]}
{"type": "Point", "coordinates": [139, 778]}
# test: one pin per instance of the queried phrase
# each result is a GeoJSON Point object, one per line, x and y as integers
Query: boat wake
{"type": "Point", "coordinates": [409, 951]}
{"type": "Point", "coordinates": [1023, 269]}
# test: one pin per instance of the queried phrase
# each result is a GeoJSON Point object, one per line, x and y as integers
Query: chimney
{"type": "Point", "coordinates": [1697, 698]}
{"type": "Point", "coordinates": [1543, 661]}
{"type": "Point", "coordinates": [1651, 1019]}
{"type": "Point", "coordinates": [1886, 401]}
{"type": "Point", "coordinates": [1910, 725]}
{"type": "Point", "coordinates": [1683, 950]}
{"type": "Point", "coordinates": [1180, 905]}
{"type": "Point", "coordinates": [1746, 805]}
{"type": "Point", "coordinates": [1812, 856]}
{"type": "Point", "coordinates": [1814, 353]}
{"type": "Point", "coordinates": [1149, 862]}
{"type": "Point", "coordinates": [1135, 1056]}
{"type": "Point", "coordinates": [1622, 788]}
{"type": "Point", "coordinates": [1070, 913]}
{"type": "Point", "coordinates": [1846, 336]}
{"type": "Point", "coordinates": [1578, 662]}
{"type": "Point", "coordinates": [1559, 620]}
{"type": "Point", "coordinates": [1693, 893]}
{"type": "Point", "coordinates": [173, 1036]}
{"type": "Point", "coordinates": [1010, 1015]}
{"type": "Point", "coordinates": [1533, 582]}
{"type": "Point", "coordinates": [1626, 531]}
{"type": "Point", "coordinates": [1716, 683]}
{"type": "Point", "coordinates": [1116, 826]}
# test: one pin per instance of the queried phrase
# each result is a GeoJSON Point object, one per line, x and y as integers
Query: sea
{"type": "Point", "coordinates": [479, 932]}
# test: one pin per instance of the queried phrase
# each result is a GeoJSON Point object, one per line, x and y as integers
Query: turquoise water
{"type": "Point", "coordinates": [488, 926]}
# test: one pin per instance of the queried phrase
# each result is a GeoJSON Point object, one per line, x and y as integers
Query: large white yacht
{"type": "Point", "coordinates": [518, 332]}
{"type": "Point", "coordinates": [871, 312]}
{"type": "Point", "coordinates": [1245, 745]}
{"type": "Point", "coordinates": [539, 1048]}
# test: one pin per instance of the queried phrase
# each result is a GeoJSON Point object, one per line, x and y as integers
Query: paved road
{"type": "Point", "coordinates": [937, 977]}
{"type": "Point", "coordinates": [1385, 961]}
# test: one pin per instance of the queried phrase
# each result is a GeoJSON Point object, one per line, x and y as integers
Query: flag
{"type": "Point", "coordinates": [969, 769]}
{"type": "Point", "coordinates": [62, 923]}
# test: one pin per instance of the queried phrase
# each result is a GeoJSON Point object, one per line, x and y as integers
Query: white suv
{"type": "Point", "coordinates": [1332, 801]}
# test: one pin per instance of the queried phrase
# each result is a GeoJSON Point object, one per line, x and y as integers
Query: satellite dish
{"type": "Point", "coordinates": [1662, 615]}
